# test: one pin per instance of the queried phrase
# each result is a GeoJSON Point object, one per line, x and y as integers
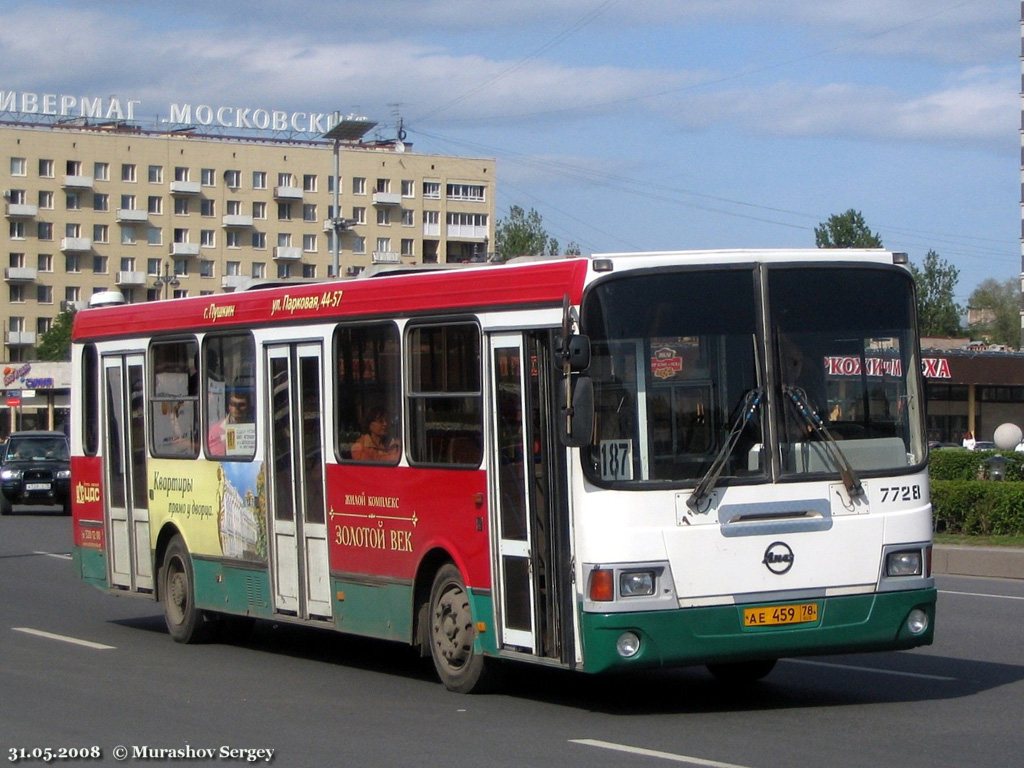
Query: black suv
{"type": "Point", "coordinates": [36, 470]}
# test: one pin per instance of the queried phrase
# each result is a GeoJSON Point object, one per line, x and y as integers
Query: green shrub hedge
{"type": "Point", "coordinates": [966, 501]}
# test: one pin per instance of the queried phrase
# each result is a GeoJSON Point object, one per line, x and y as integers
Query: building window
{"type": "Point", "coordinates": [259, 240]}
{"type": "Point", "coordinates": [45, 261]}
{"type": "Point", "coordinates": [127, 234]}
{"type": "Point", "coordinates": [233, 268]}
{"type": "Point", "coordinates": [208, 177]}
{"type": "Point", "coordinates": [99, 265]}
{"type": "Point", "coordinates": [152, 267]}
{"type": "Point", "coordinates": [205, 268]}
{"type": "Point", "coordinates": [384, 217]}
{"type": "Point", "coordinates": [72, 293]}
{"type": "Point", "coordinates": [309, 212]}
{"type": "Point", "coordinates": [19, 166]}
{"type": "Point", "coordinates": [358, 244]}
{"type": "Point", "coordinates": [100, 233]}
{"type": "Point", "coordinates": [156, 174]}
{"type": "Point", "coordinates": [155, 205]}
{"type": "Point", "coordinates": [207, 207]}
{"type": "Point", "coordinates": [100, 201]}
{"type": "Point", "coordinates": [432, 190]}
{"type": "Point", "coordinates": [128, 202]}
{"type": "Point", "coordinates": [232, 239]}
{"type": "Point", "coordinates": [383, 185]}
{"type": "Point", "coordinates": [44, 230]}
{"type": "Point", "coordinates": [309, 243]}
{"type": "Point", "coordinates": [259, 179]}
{"type": "Point", "coordinates": [284, 211]}
{"type": "Point", "coordinates": [17, 230]}
{"type": "Point", "coordinates": [181, 206]}
{"type": "Point", "coordinates": [101, 171]}
{"type": "Point", "coordinates": [72, 263]}
{"type": "Point", "coordinates": [181, 267]}
{"type": "Point", "coordinates": [234, 208]}
{"type": "Point", "coordinates": [358, 186]}
{"type": "Point", "coordinates": [46, 199]}
{"type": "Point", "coordinates": [16, 260]}
{"type": "Point", "coordinates": [359, 215]}
{"type": "Point", "coordinates": [128, 172]}
{"type": "Point", "coordinates": [46, 169]}
{"type": "Point", "coordinates": [309, 271]}
{"type": "Point", "coordinates": [17, 294]}
{"type": "Point", "coordinates": [408, 247]}
{"type": "Point", "coordinates": [154, 236]}
{"type": "Point", "coordinates": [207, 238]}
{"type": "Point", "coordinates": [72, 229]}
{"type": "Point", "coordinates": [259, 270]}
{"type": "Point", "coordinates": [470, 192]}
{"type": "Point", "coordinates": [72, 202]}
{"type": "Point", "coordinates": [233, 179]}
{"type": "Point", "coordinates": [180, 173]}
{"type": "Point", "coordinates": [284, 179]}
{"type": "Point", "coordinates": [309, 182]}
{"type": "Point", "coordinates": [383, 245]}
{"type": "Point", "coordinates": [284, 270]}
{"type": "Point", "coordinates": [43, 324]}
{"type": "Point", "coordinates": [284, 239]}
{"type": "Point", "coordinates": [259, 210]}
{"type": "Point", "coordinates": [127, 264]}
{"type": "Point", "coordinates": [408, 188]}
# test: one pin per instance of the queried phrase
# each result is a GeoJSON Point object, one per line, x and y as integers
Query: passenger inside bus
{"type": "Point", "coordinates": [376, 443]}
{"type": "Point", "coordinates": [238, 412]}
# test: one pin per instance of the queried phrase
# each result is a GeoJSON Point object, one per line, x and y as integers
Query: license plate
{"type": "Point", "coordinates": [37, 486]}
{"type": "Point", "coordinates": [776, 615]}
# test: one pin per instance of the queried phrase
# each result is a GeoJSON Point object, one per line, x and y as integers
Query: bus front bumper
{"type": "Point", "coordinates": [716, 635]}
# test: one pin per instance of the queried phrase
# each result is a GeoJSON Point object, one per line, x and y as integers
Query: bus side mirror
{"type": "Point", "coordinates": [578, 420]}
{"type": "Point", "coordinates": [576, 353]}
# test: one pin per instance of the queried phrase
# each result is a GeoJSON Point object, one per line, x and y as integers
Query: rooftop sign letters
{"type": "Point", "coordinates": [113, 108]}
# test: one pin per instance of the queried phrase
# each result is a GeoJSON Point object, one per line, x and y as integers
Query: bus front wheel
{"type": "Point", "coordinates": [185, 622]}
{"type": "Point", "coordinates": [452, 634]}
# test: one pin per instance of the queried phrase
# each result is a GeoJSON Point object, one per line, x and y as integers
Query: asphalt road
{"type": "Point", "coordinates": [317, 698]}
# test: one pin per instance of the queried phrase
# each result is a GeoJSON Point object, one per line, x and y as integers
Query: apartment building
{"type": "Point", "coordinates": [163, 214]}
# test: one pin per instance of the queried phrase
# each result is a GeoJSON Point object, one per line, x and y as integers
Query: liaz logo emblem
{"type": "Point", "coordinates": [778, 558]}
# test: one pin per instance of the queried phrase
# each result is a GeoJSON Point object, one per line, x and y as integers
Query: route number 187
{"type": "Point", "coordinates": [616, 460]}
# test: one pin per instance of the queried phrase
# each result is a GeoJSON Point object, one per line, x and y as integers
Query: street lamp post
{"type": "Point", "coordinates": [349, 128]}
{"type": "Point", "coordinates": [166, 279]}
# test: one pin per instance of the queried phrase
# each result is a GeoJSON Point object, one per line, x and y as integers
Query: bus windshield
{"type": "Point", "coordinates": [687, 376]}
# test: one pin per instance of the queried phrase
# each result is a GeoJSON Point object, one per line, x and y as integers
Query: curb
{"type": "Point", "coordinates": [990, 562]}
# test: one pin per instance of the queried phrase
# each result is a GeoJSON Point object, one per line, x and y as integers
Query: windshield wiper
{"type": "Point", "coordinates": [803, 407]}
{"type": "Point", "coordinates": [751, 402]}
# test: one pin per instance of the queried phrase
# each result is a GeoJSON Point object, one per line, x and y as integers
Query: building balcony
{"type": "Point", "coordinates": [76, 244]}
{"type": "Point", "coordinates": [185, 187]}
{"type": "Point", "coordinates": [74, 306]}
{"type": "Point", "coordinates": [287, 193]}
{"type": "Point", "coordinates": [21, 338]}
{"type": "Point", "coordinates": [386, 257]}
{"type": "Point", "coordinates": [22, 211]}
{"type": "Point", "coordinates": [20, 274]}
{"type": "Point", "coordinates": [131, 278]}
{"type": "Point", "coordinates": [431, 230]}
{"type": "Point", "coordinates": [234, 282]}
{"type": "Point", "coordinates": [467, 232]}
{"type": "Point", "coordinates": [236, 220]}
{"type": "Point", "coordinates": [131, 215]}
{"type": "Point", "coordinates": [387, 198]}
{"type": "Point", "coordinates": [184, 249]}
{"type": "Point", "coordinates": [287, 253]}
{"type": "Point", "coordinates": [77, 182]}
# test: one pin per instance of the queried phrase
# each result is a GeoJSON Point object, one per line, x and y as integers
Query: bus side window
{"type": "Point", "coordinates": [367, 366]}
{"type": "Point", "coordinates": [229, 381]}
{"type": "Point", "coordinates": [444, 397]}
{"type": "Point", "coordinates": [174, 406]}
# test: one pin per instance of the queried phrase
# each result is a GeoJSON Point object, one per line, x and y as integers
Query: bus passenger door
{"type": "Point", "coordinates": [299, 530]}
{"type": "Point", "coordinates": [512, 462]}
{"type": "Point", "coordinates": [124, 449]}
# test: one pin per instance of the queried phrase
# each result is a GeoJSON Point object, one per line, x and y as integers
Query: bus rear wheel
{"type": "Point", "coordinates": [185, 622]}
{"type": "Point", "coordinates": [452, 634]}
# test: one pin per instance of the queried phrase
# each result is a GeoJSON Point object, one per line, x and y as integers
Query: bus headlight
{"type": "Point", "coordinates": [628, 645]}
{"type": "Point", "coordinates": [904, 563]}
{"type": "Point", "coordinates": [11, 474]}
{"type": "Point", "coordinates": [917, 621]}
{"type": "Point", "coordinates": [636, 583]}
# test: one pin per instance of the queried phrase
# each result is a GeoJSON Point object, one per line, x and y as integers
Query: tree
{"type": "Point", "coordinates": [999, 305]}
{"type": "Point", "coordinates": [937, 313]}
{"type": "Point", "coordinates": [55, 344]}
{"type": "Point", "coordinates": [846, 230]}
{"type": "Point", "coordinates": [522, 234]}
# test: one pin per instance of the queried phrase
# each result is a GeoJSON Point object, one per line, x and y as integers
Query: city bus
{"type": "Point", "coordinates": [607, 463]}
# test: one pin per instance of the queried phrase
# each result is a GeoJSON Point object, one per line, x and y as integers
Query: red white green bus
{"type": "Point", "coordinates": [616, 462]}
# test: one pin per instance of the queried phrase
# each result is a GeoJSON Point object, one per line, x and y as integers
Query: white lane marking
{"type": "Point", "coordinates": [654, 753]}
{"type": "Point", "coordinates": [980, 594]}
{"type": "Point", "coordinates": [64, 638]}
{"type": "Point", "coordinates": [53, 554]}
{"type": "Point", "coordinates": [873, 670]}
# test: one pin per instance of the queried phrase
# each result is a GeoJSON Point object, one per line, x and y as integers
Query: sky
{"type": "Point", "coordinates": [627, 124]}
